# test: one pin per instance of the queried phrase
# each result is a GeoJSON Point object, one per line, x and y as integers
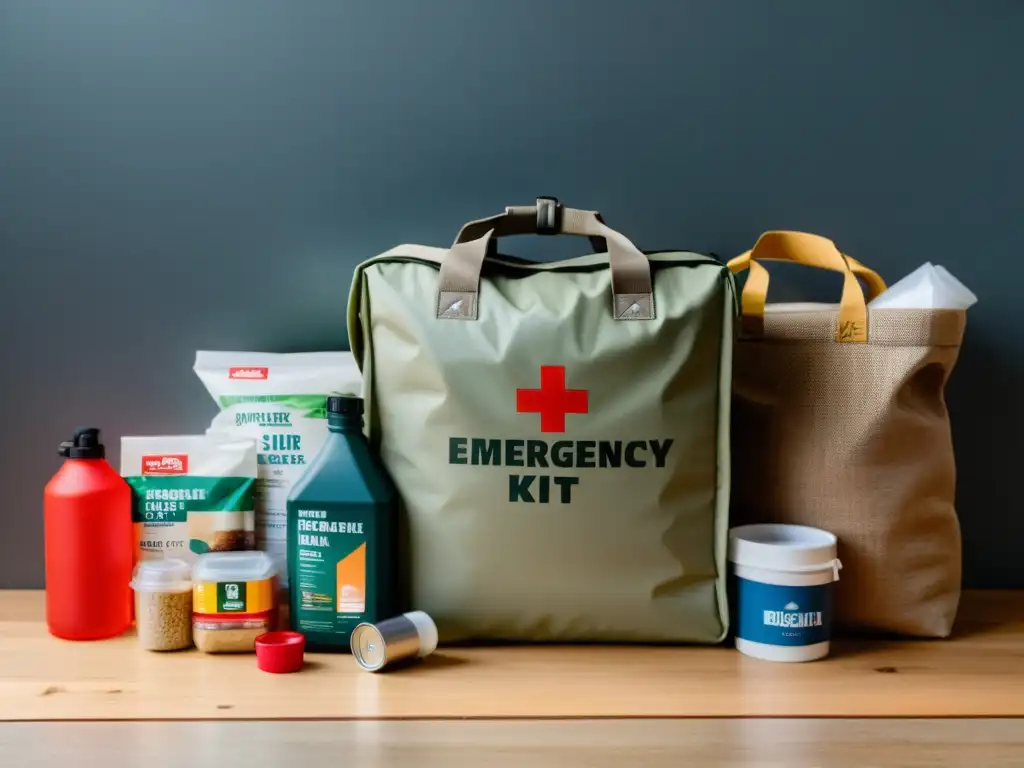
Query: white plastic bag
{"type": "Point", "coordinates": [927, 287]}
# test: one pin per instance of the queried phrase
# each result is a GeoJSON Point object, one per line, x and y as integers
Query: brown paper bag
{"type": "Point", "coordinates": [839, 422]}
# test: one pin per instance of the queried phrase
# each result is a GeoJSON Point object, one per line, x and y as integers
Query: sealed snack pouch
{"type": "Point", "coordinates": [191, 494]}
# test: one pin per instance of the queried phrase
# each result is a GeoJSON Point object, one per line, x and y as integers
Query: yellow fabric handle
{"type": "Point", "coordinates": [812, 251]}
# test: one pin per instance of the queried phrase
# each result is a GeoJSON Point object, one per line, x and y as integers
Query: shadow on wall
{"type": "Point", "coordinates": [987, 416]}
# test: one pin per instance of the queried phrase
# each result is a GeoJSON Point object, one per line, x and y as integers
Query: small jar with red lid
{"type": "Point", "coordinates": [234, 601]}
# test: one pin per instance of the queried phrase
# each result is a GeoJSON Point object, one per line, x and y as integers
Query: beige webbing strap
{"type": "Point", "coordinates": [522, 220]}
{"type": "Point", "coordinates": [458, 291]}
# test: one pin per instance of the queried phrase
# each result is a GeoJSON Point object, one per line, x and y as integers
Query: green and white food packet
{"type": "Point", "coordinates": [192, 494]}
{"type": "Point", "coordinates": [280, 400]}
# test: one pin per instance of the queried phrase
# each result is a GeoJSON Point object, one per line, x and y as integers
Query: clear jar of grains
{"type": "Point", "coordinates": [163, 604]}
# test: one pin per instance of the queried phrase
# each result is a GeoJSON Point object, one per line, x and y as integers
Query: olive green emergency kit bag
{"type": "Point", "coordinates": [558, 432]}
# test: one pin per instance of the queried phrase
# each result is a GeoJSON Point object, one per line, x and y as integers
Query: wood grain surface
{"type": "Point", "coordinates": [979, 672]}
{"type": "Point", "coordinates": [538, 744]}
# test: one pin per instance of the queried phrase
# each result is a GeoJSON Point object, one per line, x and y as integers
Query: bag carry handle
{"type": "Point", "coordinates": [459, 284]}
{"type": "Point", "coordinates": [547, 217]}
{"type": "Point", "coordinates": [811, 251]}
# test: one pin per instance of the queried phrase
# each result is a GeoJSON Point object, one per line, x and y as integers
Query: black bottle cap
{"type": "Point", "coordinates": [345, 404]}
{"type": "Point", "coordinates": [85, 445]}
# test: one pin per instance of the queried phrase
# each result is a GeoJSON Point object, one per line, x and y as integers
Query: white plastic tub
{"type": "Point", "coordinates": [783, 577]}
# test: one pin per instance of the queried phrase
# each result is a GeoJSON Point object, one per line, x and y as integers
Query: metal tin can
{"type": "Point", "coordinates": [402, 638]}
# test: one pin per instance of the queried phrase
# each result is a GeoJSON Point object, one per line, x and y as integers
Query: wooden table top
{"type": "Point", "coordinates": [979, 672]}
{"type": "Point", "coordinates": [627, 743]}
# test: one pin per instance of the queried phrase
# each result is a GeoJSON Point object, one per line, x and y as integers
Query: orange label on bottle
{"type": "Point", "coordinates": [351, 575]}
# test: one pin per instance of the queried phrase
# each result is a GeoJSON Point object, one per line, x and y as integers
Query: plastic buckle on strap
{"type": "Point", "coordinates": [549, 216]}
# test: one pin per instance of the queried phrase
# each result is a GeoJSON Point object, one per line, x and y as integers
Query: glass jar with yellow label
{"type": "Point", "coordinates": [234, 600]}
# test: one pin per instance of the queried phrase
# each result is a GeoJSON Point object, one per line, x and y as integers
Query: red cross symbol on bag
{"type": "Point", "coordinates": [552, 401]}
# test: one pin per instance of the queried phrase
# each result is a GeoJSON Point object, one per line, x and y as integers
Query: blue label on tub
{"type": "Point", "coordinates": [777, 615]}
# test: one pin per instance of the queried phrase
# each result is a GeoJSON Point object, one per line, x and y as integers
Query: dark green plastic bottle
{"type": "Point", "coordinates": [341, 535]}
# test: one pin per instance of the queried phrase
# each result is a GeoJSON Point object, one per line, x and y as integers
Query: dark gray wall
{"type": "Point", "coordinates": [194, 174]}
